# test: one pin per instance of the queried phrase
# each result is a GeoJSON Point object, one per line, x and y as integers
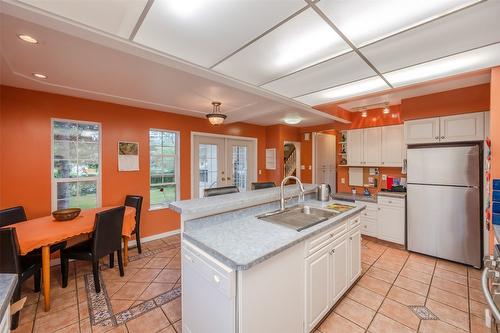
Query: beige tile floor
{"type": "Point", "coordinates": [144, 279]}
{"type": "Point", "coordinates": [392, 279]}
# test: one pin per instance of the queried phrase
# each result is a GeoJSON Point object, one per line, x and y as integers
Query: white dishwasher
{"type": "Point", "coordinates": [208, 293]}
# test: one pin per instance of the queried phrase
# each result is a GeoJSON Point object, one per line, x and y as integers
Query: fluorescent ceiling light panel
{"type": "Point", "coordinates": [346, 68]}
{"type": "Point", "coordinates": [367, 21]}
{"type": "Point", "coordinates": [471, 28]}
{"type": "Point", "coordinates": [488, 56]}
{"type": "Point", "coordinates": [206, 31]}
{"type": "Point", "coordinates": [358, 88]}
{"type": "Point", "coordinates": [115, 17]}
{"type": "Point", "coordinates": [303, 41]}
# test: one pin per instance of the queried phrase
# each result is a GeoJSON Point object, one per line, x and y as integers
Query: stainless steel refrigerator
{"type": "Point", "coordinates": [444, 202]}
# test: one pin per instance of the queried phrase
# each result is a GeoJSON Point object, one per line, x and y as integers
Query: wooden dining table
{"type": "Point", "coordinates": [45, 231]}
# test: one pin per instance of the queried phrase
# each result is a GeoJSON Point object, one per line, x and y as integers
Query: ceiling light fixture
{"type": "Point", "coordinates": [27, 39]}
{"type": "Point", "coordinates": [40, 76]}
{"type": "Point", "coordinates": [364, 114]}
{"type": "Point", "coordinates": [216, 117]}
{"type": "Point", "coordinates": [292, 120]}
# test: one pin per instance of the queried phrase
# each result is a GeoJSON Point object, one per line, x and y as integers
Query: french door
{"type": "Point", "coordinates": [220, 161]}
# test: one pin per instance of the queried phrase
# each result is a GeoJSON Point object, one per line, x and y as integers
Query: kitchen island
{"type": "Point", "coordinates": [243, 274]}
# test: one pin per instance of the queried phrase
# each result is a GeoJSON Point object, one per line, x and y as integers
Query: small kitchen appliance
{"type": "Point", "coordinates": [323, 192]}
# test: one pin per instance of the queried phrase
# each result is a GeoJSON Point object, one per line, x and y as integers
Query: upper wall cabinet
{"type": "Point", "coordinates": [459, 128]}
{"type": "Point", "coordinates": [376, 146]}
{"type": "Point", "coordinates": [421, 131]}
{"type": "Point", "coordinates": [393, 147]}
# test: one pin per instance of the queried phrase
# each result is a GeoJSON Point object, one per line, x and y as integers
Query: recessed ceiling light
{"type": "Point", "coordinates": [27, 39]}
{"type": "Point", "coordinates": [364, 114]}
{"type": "Point", "coordinates": [40, 75]}
{"type": "Point", "coordinates": [386, 110]}
{"type": "Point", "coordinates": [292, 120]}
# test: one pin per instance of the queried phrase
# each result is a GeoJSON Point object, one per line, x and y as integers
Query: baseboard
{"type": "Point", "coordinates": [132, 243]}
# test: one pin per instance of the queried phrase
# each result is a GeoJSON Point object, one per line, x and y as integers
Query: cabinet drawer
{"type": "Point", "coordinates": [369, 227]}
{"type": "Point", "coordinates": [217, 274]}
{"type": "Point", "coordinates": [369, 214]}
{"type": "Point", "coordinates": [354, 222]}
{"type": "Point", "coordinates": [390, 201]}
{"type": "Point", "coordinates": [318, 242]}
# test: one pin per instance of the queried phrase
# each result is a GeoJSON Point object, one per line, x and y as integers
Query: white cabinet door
{"type": "Point", "coordinates": [355, 147]}
{"type": "Point", "coordinates": [422, 131]}
{"type": "Point", "coordinates": [372, 146]}
{"type": "Point", "coordinates": [391, 223]}
{"type": "Point", "coordinates": [392, 146]}
{"type": "Point", "coordinates": [464, 127]}
{"type": "Point", "coordinates": [354, 255]}
{"type": "Point", "coordinates": [318, 286]}
{"type": "Point", "coordinates": [340, 265]}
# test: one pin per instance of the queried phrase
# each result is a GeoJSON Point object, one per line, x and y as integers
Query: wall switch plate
{"type": "Point", "coordinates": [302, 167]}
{"type": "Point", "coordinates": [310, 167]}
{"type": "Point", "coordinates": [342, 180]}
{"type": "Point", "coordinates": [260, 172]}
{"type": "Point", "coordinates": [384, 177]}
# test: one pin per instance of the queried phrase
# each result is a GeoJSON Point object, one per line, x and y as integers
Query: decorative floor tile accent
{"type": "Point", "coordinates": [101, 312]}
{"type": "Point", "coordinates": [423, 312]}
{"type": "Point", "coordinates": [99, 305]}
{"type": "Point", "coordinates": [149, 253]}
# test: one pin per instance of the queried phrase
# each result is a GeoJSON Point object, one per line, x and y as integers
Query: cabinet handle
{"type": "Point", "coordinates": [390, 201]}
{"type": "Point", "coordinates": [442, 137]}
{"type": "Point", "coordinates": [378, 208]}
{"type": "Point", "coordinates": [223, 179]}
{"type": "Point", "coordinates": [437, 137]}
{"type": "Point", "coordinates": [382, 163]}
{"type": "Point", "coordinates": [350, 238]}
{"type": "Point", "coordinates": [228, 178]}
{"type": "Point", "coordinates": [332, 251]}
{"type": "Point", "coordinates": [331, 235]}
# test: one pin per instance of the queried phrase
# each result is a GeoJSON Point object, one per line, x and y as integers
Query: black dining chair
{"type": "Point", "coordinates": [261, 185]}
{"type": "Point", "coordinates": [13, 215]}
{"type": "Point", "coordinates": [211, 192]}
{"type": "Point", "coordinates": [11, 262]}
{"type": "Point", "coordinates": [135, 201]}
{"type": "Point", "coordinates": [106, 239]}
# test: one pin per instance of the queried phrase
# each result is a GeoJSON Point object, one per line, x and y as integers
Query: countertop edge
{"type": "Point", "coordinates": [8, 283]}
{"type": "Point", "coordinates": [242, 267]}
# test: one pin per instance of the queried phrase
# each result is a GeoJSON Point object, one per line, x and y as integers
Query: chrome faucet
{"type": "Point", "coordinates": [282, 191]}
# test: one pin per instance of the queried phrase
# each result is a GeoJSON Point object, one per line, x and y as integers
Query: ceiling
{"type": "Point", "coordinates": [265, 59]}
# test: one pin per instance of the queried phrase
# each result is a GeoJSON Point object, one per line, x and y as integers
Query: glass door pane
{"type": "Point", "coordinates": [240, 167]}
{"type": "Point", "coordinates": [208, 167]}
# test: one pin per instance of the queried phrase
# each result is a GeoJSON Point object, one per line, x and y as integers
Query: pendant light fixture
{"type": "Point", "coordinates": [216, 117]}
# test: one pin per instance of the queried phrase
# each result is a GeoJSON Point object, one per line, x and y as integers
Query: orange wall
{"type": "Point", "coordinates": [457, 101]}
{"type": "Point", "coordinates": [25, 141]}
{"type": "Point", "coordinates": [494, 134]}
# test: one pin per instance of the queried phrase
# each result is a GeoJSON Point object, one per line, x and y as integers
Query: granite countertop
{"type": "Point", "coordinates": [7, 284]}
{"type": "Point", "coordinates": [195, 208]}
{"type": "Point", "coordinates": [401, 195]}
{"type": "Point", "coordinates": [246, 241]}
{"type": "Point", "coordinates": [346, 196]}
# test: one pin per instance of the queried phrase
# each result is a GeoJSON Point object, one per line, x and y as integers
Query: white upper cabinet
{"type": "Point", "coordinates": [393, 146]}
{"type": "Point", "coordinates": [355, 147]}
{"type": "Point", "coordinates": [459, 128]}
{"type": "Point", "coordinates": [466, 127]}
{"type": "Point", "coordinates": [422, 131]}
{"type": "Point", "coordinates": [377, 146]}
{"type": "Point", "coordinates": [372, 146]}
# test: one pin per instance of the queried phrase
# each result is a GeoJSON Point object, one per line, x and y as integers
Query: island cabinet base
{"type": "Point", "coordinates": [289, 292]}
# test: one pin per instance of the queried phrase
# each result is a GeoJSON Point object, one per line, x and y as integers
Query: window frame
{"type": "Point", "coordinates": [177, 171]}
{"type": "Point", "coordinates": [54, 180]}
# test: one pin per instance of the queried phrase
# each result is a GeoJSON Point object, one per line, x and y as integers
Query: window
{"type": "Point", "coordinates": [163, 154]}
{"type": "Point", "coordinates": [76, 167]}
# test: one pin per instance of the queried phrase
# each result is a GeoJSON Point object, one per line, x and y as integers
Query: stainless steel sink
{"type": "Point", "coordinates": [298, 217]}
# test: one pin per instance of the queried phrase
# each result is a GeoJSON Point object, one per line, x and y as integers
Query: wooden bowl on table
{"type": "Point", "coordinates": [66, 214]}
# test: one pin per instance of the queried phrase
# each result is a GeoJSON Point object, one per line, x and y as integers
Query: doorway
{"type": "Point", "coordinates": [324, 157]}
{"type": "Point", "coordinates": [219, 160]}
{"type": "Point", "coordinates": [291, 160]}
